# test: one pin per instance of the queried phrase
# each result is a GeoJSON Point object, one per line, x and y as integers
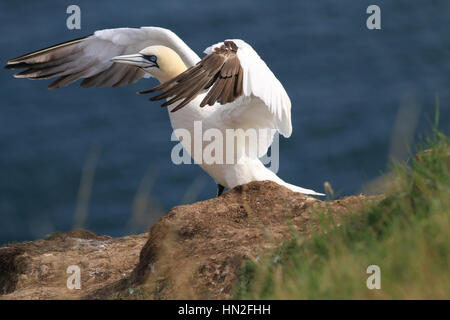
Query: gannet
{"type": "Point", "coordinates": [231, 87]}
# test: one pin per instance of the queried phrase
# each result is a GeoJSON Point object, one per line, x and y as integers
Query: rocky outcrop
{"type": "Point", "coordinates": [38, 269]}
{"type": "Point", "coordinates": [195, 251]}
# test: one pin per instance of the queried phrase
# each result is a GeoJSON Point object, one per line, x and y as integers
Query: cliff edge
{"type": "Point", "coordinates": [193, 252]}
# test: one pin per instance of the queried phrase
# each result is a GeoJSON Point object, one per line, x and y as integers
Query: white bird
{"type": "Point", "coordinates": [229, 88]}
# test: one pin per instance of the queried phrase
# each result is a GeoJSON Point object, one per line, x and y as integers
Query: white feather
{"type": "Point", "coordinates": [98, 49]}
{"type": "Point", "coordinates": [264, 106]}
{"type": "Point", "coordinates": [259, 82]}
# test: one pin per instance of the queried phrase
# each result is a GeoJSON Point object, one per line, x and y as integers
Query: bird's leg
{"type": "Point", "coordinates": [220, 189]}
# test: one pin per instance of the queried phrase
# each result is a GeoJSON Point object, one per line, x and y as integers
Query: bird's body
{"type": "Point", "coordinates": [230, 90]}
{"type": "Point", "coordinates": [228, 175]}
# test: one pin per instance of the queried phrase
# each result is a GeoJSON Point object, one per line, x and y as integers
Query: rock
{"type": "Point", "coordinates": [195, 251]}
{"type": "Point", "coordinates": [37, 270]}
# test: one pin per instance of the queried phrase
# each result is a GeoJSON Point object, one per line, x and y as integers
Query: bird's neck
{"type": "Point", "coordinates": [172, 69]}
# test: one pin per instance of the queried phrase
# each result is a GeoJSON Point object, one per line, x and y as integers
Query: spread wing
{"type": "Point", "coordinates": [234, 75]}
{"type": "Point", "coordinates": [89, 57]}
{"type": "Point", "coordinates": [220, 70]}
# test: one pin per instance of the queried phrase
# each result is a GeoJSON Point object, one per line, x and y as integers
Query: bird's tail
{"type": "Point", "coordinates": [269, 175]}
{"type": "Point", "coordinates": [300, 189]}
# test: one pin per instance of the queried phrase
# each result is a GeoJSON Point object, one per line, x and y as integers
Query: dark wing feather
{"type": "Point", "coordinates": [220, 72]}
{"type": "Point", "coordinates": [68, 62]}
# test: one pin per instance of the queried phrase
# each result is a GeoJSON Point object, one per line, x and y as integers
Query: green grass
{"type": "Point", "coordinates": [406, 235]}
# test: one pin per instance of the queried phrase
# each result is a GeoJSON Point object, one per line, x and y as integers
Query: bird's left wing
{"type": "Point", "coordinates": [234, 75]}
{"type": "Point", "coordinates": [89, 57]}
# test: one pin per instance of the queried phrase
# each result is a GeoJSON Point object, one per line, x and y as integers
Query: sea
{"type": "Point", "coordinates": [100, 159]}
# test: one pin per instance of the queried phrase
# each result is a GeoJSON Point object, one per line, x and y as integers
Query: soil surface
{"type": "Point", "coordinates": [193, 252]}
{"type": "Point", "coordinates": [38, 269]}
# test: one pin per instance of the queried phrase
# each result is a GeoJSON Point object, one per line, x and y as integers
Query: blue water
{"type": "Point", "coordinates": [346, 84]}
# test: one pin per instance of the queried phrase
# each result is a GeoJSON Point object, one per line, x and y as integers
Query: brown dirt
{"type": "Point", "coordinates": [37, 270]}
{"type": "Point", "coordinates": [195, 251]}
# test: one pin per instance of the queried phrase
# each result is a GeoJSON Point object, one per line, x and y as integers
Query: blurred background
{"type": "Point", "coordinates": [100, 158]}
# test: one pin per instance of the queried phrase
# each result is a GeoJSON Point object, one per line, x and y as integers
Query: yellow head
{"type": "Point", "coordinates": [161, 62]}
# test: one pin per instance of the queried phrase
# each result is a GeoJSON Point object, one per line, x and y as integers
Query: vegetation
{"type": "Point", "coordinates": [406, 235]}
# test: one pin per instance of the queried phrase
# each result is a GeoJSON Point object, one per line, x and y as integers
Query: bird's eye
{"type": "Point", "coordinates": [151, 58]}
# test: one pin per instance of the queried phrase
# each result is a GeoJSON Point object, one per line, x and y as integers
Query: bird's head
{"type": "Point", "coordinates": [161, 62]}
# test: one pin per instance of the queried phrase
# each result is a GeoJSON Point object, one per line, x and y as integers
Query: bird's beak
{"type": "Point", "coordinates": [133, 59]}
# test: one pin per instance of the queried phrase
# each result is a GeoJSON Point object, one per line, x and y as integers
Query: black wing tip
{"type": "Point", "coordinates": [11, 64]}
{"type": "Point", "coordinates": [146, 91]}
{"type": "Point", "coordinates": [180, 106]}
{"type": "Point", "coordinates": [15, 61]}
{"type": "Point", "coordinates": [33, 53]}
{"type": "Point", "coordinates": [153, 100]}
{"type": "Point", "coordinates": [176, 109]}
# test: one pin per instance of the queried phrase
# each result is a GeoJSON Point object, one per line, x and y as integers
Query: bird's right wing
{"type": "Point", "coordinates": [233, 75]}
{"type": "Point", "coordinates": [89, 57]}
